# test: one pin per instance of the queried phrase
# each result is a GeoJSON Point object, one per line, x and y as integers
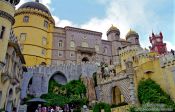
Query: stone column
{"type": "Point", "coordinates": [130, 73]}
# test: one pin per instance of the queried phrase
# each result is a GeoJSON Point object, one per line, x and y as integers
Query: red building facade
{"type": "Point", "coordinates": [157, 43]}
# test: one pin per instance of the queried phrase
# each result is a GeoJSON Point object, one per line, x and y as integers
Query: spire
{"type": "Point", "coordinates": [37, 1]}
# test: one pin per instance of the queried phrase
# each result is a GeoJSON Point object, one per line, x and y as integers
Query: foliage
{"type": "Point", "coordinates": [149, 94]}
{"type": "Point", "coordinates": [71, 93]}
{"type": "Point", "coordinates": [99, 106]}
{"type": "Point", "coordinates": [149, 91]}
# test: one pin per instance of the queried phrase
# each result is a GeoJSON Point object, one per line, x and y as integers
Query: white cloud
{"type": "Point", "coordinates": [169, 45]}
{"type": "Point", "coordinates": [63, 23]}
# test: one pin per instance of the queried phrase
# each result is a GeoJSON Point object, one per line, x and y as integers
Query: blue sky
{"type": "Point", "coordinates": [143, 16]}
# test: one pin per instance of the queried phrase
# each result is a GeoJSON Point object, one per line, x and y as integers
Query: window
{"type": "Point", "coordinates": [23, 37]}
{"type": "Point", "coordinates": [72, 44]}
{"type": "Point", "coordinates": [72, 54]}
{"type": "Point", "coordinates": [97, 48]}
{"type": "Point", "coordinates": [105, 50]}
{"type": "Point", "coordinates": [84, 44]}
{"type": "Point", "coordinates": [26, 19]}
{"type": "Point", "coordinates": [43, 52]}
{"type": "Point", "coordinates": [2, 30]}
{"type": "Point", "coordinates": [46, 24]}
{"type": "Point", "coordinates": [60, 43]}
{"type": "Point", "coordinates": [60, 53]}
{"type": "Point", "coordinates": [44, 41]}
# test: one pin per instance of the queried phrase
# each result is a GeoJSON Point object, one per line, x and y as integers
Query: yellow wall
{"type": "Point", "coordinates": [35, 31]}
{"type": "Point", "coordinates": [146, 66]}
{"type": "Point", "coordinates": [6, 7]}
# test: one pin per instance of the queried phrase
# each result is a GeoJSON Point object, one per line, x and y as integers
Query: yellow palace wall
{"type": "Point", "coordinates": [35, 30]}
{"type": "Point", "coordinates": [146, 67]}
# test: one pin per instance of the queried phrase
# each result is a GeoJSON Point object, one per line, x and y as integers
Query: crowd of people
{"type": "Point", "coordinates": [65, 108]}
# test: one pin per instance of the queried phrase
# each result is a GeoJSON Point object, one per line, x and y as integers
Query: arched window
{"type": "Point", "coordinates": [60, 43]}
{"type": "Point", "coordinates": [84, 44]}
{"type": "Point", "coordinates": [72, 44]}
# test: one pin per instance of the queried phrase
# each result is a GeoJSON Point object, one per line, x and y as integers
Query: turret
{"type": "Point", "coordinates": [157, 43]}
{"type": "Point", "coordinates": [7, 11]}
{"type": "Point", "coordinates": [33, 26]}
{"type": "Point", "coordinates": [113, 33]}
{"type": "Point", "coordinates": [133, 37]}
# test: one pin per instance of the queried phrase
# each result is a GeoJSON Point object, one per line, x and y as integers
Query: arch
{"type": "Point", "coordinates": [117, 97]}
{"type": "Point", "coordinates": [59, 77]}
{"type": "Point", "coordinates": [85, 59]}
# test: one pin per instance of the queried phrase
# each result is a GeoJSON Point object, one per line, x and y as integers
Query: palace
{"type": "Point", "coordinates": [44, 43]}
{"type": "Point", "coordinates": [34, 51]}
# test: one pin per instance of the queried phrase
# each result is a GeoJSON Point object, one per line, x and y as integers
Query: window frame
{"type": "Point", "coordinates": [26, 19]}
{"type": "Point", "coordinates": [46, 24]}
{"type": "Point", "coordinates": [2, 32]}
{"type": "Point", "coordinates": [21, 38]}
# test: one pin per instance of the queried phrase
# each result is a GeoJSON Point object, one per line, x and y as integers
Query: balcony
{"type": "Point", "coordinates": [85, 50]}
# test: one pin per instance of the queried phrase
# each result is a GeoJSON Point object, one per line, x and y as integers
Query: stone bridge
{"type": "Point", "coordinates": [36, 80]}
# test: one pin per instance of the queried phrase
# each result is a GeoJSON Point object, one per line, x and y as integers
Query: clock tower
{"type": "Point", "coordinates": [157, 43]}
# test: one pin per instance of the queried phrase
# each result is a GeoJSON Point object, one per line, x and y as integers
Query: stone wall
{"type": "Point", "coordinates": [41, 75]}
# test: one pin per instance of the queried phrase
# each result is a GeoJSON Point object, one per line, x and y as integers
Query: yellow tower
{"type": "Point", "coordinates": [7, 11]}
{"type": "Point", "coordinates": [34, 27]}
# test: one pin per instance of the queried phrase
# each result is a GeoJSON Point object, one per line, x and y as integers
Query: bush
{"type": "Point", "coordinates": [150, 92]}
{"type": "Point", "coordinates": [98, 107]}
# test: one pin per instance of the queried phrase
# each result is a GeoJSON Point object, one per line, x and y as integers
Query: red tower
{"type": "Point", "coordinates": [157, 43]}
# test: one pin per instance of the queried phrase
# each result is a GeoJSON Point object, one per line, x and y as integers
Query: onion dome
{"type": "Point", "coordinates": [35, 5]}
{"type": "Point", "coordinates": [113, 29]}
{"type": "Point", "coordinates": [131, 33]}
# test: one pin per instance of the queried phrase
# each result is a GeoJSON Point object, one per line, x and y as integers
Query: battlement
{"type": "Point", "coordinates": [50, 69]}
{"type": "Point", "coordinates": [129, 49]}
{"type": "Point", "coordinates": [113, 78]}
{"type": "Point", "coordinates": [167, 60]}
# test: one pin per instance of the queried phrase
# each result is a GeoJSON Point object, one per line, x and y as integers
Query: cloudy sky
{"type": "Point", "coordinates": [143, 16]}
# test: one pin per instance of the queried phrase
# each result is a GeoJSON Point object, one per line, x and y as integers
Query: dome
{"type": "Point", "coordinates": [113, 28]}
{"type": "Point", "coordinates": [35, 5]}
{"type": "Point", "coordinates": [131, 32]}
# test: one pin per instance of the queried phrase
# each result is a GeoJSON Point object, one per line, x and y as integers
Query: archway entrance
{"type": "Point", "coordinates": [59, 77]}
{"type": "Point", "coordinates": [117, 97]}
{"type": "Point", "coordinates": [85, 59]}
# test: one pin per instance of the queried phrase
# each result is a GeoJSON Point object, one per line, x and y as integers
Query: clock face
{"type": "Point", "coordinates": [158, 40]}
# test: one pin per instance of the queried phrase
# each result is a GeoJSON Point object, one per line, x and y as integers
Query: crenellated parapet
{"type": "Point", "coordinates": [167, 60]}
{"type": "Point", "coordinates": [129, 49]}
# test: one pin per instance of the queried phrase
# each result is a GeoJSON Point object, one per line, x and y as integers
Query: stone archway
{"type": "Point", "coordinates": [59, 77]}
{"type": "Point", "coordinates": [9, 101]}
{"type": "Point", "coordinates": [116, 95]}
{"type": "Point", "coordinates": [85, 59]}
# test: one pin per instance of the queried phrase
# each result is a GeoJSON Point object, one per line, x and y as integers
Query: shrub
{"type": "Point", "coordinates": [99, 106]}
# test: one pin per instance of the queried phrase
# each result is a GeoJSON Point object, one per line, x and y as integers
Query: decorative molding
{"type": "Point", "coordinates": [68, 28]}
{"type": "Point", "coordinates": [7, 16]}
{"type": "Point", "coordinates": [32, 11]}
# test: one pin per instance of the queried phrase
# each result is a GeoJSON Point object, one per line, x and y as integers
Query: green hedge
{"type": "Point", "coordinates": [99, 106]}
{"type": "Point", "coordinates": [149, 94]}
